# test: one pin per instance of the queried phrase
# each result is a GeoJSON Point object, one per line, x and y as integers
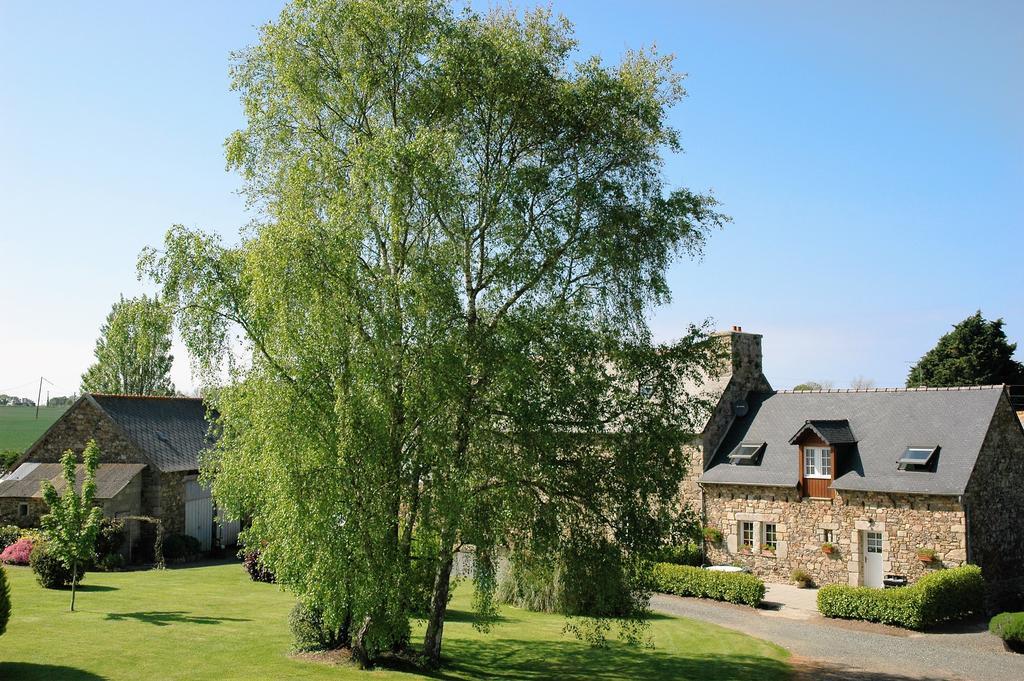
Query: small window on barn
{"type": "Point", "coordinates": [746, 453]}
{"type": "Point", "coordinates": [916, 458]}
{"type": "Point", "coordinates": [23, 509]}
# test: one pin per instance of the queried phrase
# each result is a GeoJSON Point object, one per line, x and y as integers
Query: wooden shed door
{"type": "Point", "coordinates": [199, 513]}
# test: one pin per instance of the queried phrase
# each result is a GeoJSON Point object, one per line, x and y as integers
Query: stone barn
{"type": "Point", "coordinates": [149, 464]}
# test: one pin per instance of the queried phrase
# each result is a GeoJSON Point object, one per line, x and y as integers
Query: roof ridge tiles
{"type": "Point", "coordinates": [952, 388]}
{"type": "Point", "coordinates": [147, 397]}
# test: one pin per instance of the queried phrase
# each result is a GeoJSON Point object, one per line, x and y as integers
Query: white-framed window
{"type": "Point", "coordinates": [874, 542]}
{"type": "Point", "coordinates": [770, 536]}
{"type": "Point", "coordinates": [827, 537]}
{"type": "Point", "coordinates": [23, 509]}
{"type": "Point", "coordinates": [817, 462]}
{"type": "Point", "coordinates": [746, 534]}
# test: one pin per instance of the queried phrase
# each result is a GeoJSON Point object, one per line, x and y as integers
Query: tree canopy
{"type": "Point", "coordinates": [436, 328]}
{"type": "Point", "coordinates": [133, 350]}
{"type": "Point", "coordinates": [975, 352]}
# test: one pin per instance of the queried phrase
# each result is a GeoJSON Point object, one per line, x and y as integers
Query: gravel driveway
{"type": "Point", "coordinates": [830, 650]}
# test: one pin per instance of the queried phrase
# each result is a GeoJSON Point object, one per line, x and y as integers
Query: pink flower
{"type": "Point", "coordinates": [17, 553]}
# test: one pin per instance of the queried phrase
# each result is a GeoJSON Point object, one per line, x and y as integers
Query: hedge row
{"type": "Point", "coordinates": [941, 596]}
{"type": "Point", "coordinates": [1009, 626]}
{"type": "Point", "coordinates": [683, 580]}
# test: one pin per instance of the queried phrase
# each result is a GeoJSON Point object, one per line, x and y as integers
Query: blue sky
{"type": "Point", "coordinates": [871, 155]}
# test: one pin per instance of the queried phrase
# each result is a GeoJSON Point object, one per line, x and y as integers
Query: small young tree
{"type": "Point", "coordinates": [73, 521]}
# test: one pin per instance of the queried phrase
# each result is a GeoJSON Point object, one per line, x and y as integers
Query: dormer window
{"type": "Point", "coordinates": [746, 453]}
{"type": "Point", "coordinates": [916, 458]}
{"type": "Point", "coordinates": [818, 462]}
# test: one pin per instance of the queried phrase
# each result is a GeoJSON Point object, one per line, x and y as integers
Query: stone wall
{"type": "Point", "coordinates": [11, 515]}
{"type": "Point", "coordinates": [172, 501]}
{"type": "Point", "coordinates": [906, 522]}
{"type": "Point", "coordinates": [994, 499]}
{"type": "Point", "coordinates": [80, 423]}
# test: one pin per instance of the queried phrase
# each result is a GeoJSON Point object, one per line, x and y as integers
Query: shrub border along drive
{"type": "Point", "coordinates": [1009, 626]}
{"type": "Point", "coordinates": [683, 580]}
{"type": "Point", "coordinates": [942, 596]}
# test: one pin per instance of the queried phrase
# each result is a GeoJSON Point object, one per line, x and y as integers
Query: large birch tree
{"type": "Point", "coordinates": [436, 325]}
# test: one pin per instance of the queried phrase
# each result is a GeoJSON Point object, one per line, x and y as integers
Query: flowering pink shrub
{"type": "Point", "coordinates": [17, 553]}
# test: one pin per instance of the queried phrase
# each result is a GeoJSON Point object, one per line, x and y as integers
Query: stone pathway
{"type": "Point", "coordinates": [834, 650]}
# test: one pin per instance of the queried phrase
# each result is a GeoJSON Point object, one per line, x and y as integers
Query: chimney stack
{"type": "Point", "coordinates": [737, 329]}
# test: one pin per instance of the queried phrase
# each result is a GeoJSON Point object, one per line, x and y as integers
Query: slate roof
{"type": "Point", "coordinates": [25, 481]}
{"type": "Point", "coordinates": [832, 431]}
{"type": "Point", "coordinates": [885, 423]}
{"type": "Point", "coordinates": [171, 431]}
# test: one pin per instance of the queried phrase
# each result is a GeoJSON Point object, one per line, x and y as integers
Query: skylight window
{"type": "Point", "coordinates": [915, 458]}
{"type": "Point", "coordinates": [746, 452]}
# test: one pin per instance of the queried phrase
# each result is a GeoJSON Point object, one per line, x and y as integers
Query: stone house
{"type": "Point", "coordinates": [849, 485]}
{"type": "Point", "coordinates": [149, 464]}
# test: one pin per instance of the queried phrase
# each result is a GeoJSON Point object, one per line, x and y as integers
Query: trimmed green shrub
{"type": "Point", "coordinates": [50, 570]}
{"type": "Point", "coordinates": [309, 631]}
{"type": "Point", "coordinates": [1008, 626]}
{"type": "Point", "coordinates": [683, 554]}
{"type": "Point", "coordinates": [683, 580]}
{"type": "Point", "coordinates": [8, 535]}
{"type": "Point", "coordinates": [5, 601]}
{"type": "Point", "coordinates": [181, 548]}
{"type": "Point", "coordinates": [942, 596]}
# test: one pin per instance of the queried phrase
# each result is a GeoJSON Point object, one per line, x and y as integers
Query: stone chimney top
{"type": "Point", "coordinates": [737, 329]}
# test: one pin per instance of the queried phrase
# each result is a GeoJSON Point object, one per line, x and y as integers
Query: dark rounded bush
{"type": "Point", "coordinates": [5, 601]}
{"type": "Point", "coordinates": [1009, 626]}
{"type": "Point", "coordinates": [257, 573]}
{"type": "Point", "coordinates": [309, 631]}
{"type": "Point", "coordinates": [181, 548]}
{"type": "Point", "coordinates": [50, 570]}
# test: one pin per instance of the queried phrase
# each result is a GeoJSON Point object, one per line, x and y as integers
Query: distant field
{"type": "Point", "coordinates": [19, 427]}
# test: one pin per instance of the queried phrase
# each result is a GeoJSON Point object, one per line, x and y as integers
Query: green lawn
{"type": "Point", "coordinates": [19, 427]}
{"type": "Point", "coordinates": [213, 623]}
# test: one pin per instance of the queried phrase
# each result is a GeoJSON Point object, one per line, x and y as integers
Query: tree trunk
{"type": "Point", "coordinates": [74, 578]}
{"type": "Point", "coordinates": [438, 606]}
{"type": "Point", "coordinates": [359, 652]}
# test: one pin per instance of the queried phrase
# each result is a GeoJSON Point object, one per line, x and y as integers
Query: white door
{"type": "Point", "coordinates": [199, 513]}
{"type": "Point", "coordinates": [873, 559]}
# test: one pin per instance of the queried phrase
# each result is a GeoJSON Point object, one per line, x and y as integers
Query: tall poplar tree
{"type": "Point", "coordinates": [133, 350]}
{"type": "Point", "coordinates": [442, 305]}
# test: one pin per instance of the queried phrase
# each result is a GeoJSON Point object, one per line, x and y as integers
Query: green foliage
{"type": "Point", "coordinates": [8, 535]}
{"type": "Point", "coordinates": [109, 540]}
{"type": "Point", "coordinates": [685, 554]}
{"type": "Point", "coordinates": [5, 600]}
{"type": "Point", "coordinates": [133, 350]}
{"type": "Point", "coordinates": [1008, 626]}
{"type": "Point", "coordinates": [7, 459]}
{"type": "Point", "coordinates": [802, 577]}
{"type": "Point", "coordinates": [73, 522]}
{"type": "Point", "coordinates": [460, 234]}
{"type": "Point", "coordinates": [50, 569]}
{"type": "Point", "coordinates": [734, 587]}
{"type": "Point", "coordinates": [942, 596]}
{"type": "Point", "coordinates": [310, 632]}
{"type": "Point", "coordinates": [975, 352]}
{"type": "Point", "coordinates": [712, 535]}
{"type": "Point", "coordinates": [181, 548]}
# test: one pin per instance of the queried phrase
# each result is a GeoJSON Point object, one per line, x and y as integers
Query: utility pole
{"type": "Point", "coordinates": [39, 396]}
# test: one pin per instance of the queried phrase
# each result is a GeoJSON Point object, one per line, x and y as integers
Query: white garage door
{"type": "Point", "coordinates": [199, 513]}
